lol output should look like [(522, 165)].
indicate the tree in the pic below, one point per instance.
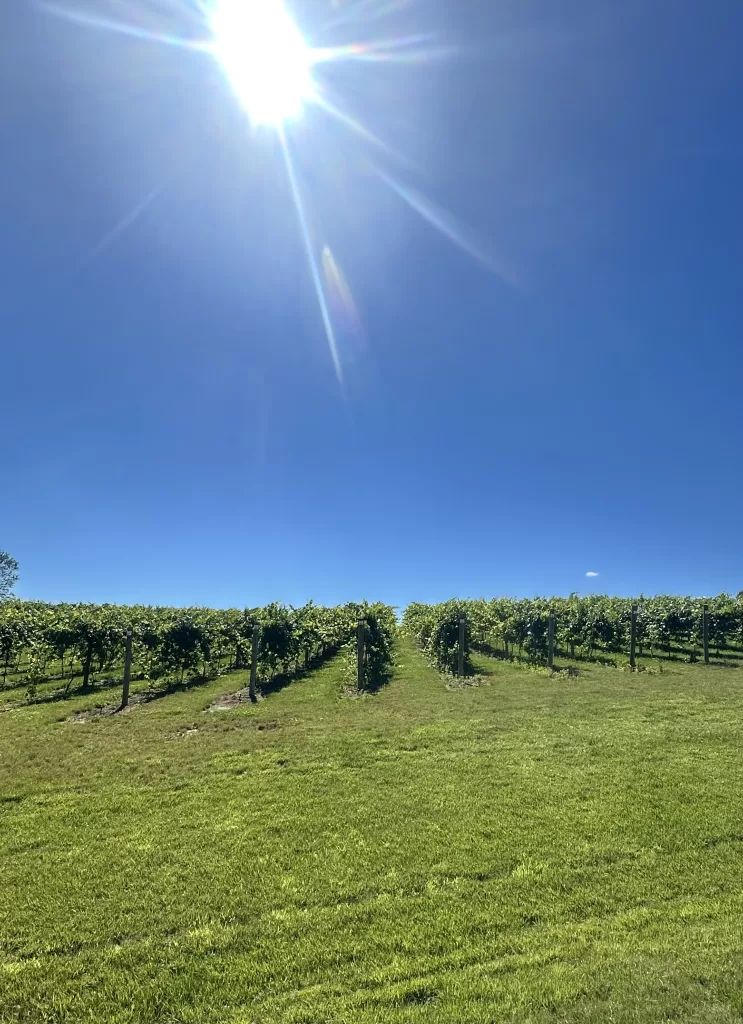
[(8, 574)]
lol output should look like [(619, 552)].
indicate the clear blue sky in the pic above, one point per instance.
[(172, 429)]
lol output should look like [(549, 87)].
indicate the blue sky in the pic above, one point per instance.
[(172, 428)]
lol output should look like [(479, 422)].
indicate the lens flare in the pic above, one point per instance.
[(277, 76), (339, 293), (264, 56)]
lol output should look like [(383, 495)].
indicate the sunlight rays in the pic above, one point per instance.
[(452, 229), (77, 17), (126, 222), (277, 77), (311, 258)]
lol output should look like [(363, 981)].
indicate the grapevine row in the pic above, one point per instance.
[(587, 627), (40, 641), (378, 629)]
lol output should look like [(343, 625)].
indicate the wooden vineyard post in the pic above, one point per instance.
[(254, 661), (460, 663), (551, 640), (633, 638), (360, 634), (705, 632), (127, 669)]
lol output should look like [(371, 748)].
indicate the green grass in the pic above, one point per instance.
[(526, 849)]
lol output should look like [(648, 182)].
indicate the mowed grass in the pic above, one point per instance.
[(524, 849)]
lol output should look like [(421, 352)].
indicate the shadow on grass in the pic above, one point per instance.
[(63, 693), (730, 657), (147, 696), (102, 687), (524, 661), (141, 698), (284, 679), (382, 680), (279, 682)]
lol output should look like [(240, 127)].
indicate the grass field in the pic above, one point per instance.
[(525, 848)]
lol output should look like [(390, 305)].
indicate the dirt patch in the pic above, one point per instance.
[(455, 683), (114, 709), (233, 700)]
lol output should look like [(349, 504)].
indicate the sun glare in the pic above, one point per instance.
[(264, 56), (271, 70)]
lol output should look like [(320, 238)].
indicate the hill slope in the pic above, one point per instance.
[(527, 848)]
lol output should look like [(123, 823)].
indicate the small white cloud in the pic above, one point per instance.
[(591, 574)]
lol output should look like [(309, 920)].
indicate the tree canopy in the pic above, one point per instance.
[(8, 574)]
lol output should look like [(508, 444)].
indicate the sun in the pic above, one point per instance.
[(276, 76), (264, 56)]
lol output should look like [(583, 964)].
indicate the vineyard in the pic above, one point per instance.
[(54, 650), (587, 629), (372, 839)]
